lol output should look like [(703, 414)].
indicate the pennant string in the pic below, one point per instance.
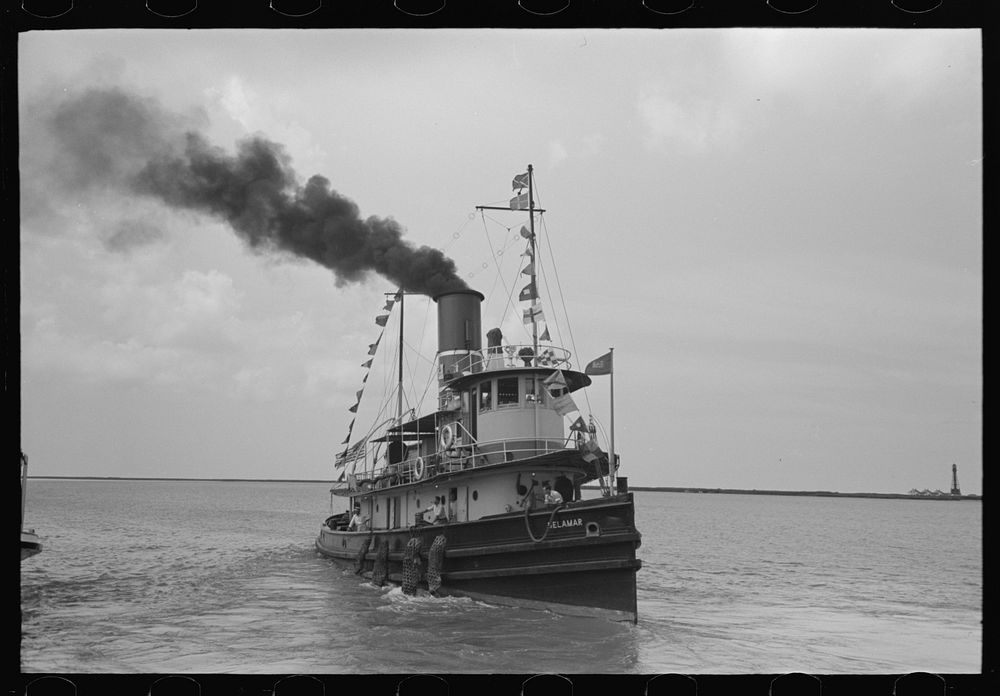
[(380, 320)]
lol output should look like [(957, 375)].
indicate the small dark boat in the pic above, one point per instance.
[(498, 469), (30, 543)]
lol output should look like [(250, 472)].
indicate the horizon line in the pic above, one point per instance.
[(664, 489)]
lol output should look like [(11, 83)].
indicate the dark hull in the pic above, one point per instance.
[(578, 559)]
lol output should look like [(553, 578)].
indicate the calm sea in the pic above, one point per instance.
[(221, 577)]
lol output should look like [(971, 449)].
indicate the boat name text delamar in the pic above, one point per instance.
[(558, 524)]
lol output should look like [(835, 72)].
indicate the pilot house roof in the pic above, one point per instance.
[(574, 380)]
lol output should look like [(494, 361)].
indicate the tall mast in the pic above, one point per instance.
[(399, 387), (534, 284), (531, 220), (611, 455)]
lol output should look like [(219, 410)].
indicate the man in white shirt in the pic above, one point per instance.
[(551, 497), (439, 514), (357, 521)]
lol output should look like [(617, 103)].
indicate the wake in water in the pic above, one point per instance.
[(423, 601)]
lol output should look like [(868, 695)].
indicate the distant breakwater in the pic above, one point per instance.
[(822, 494)]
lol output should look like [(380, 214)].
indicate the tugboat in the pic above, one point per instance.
[(30, 544), (482, 496)]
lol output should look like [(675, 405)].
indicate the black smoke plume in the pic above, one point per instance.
[(109, 137)]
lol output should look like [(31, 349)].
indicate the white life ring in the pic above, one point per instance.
[(418, 468), (447, 437)]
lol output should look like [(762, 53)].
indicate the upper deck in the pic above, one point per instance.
[(461, 368)]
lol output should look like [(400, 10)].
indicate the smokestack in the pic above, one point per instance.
[(112, 138), (459, 330)]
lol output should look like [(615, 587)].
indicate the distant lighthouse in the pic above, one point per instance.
[(955, 490)]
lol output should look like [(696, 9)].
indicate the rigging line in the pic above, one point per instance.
[(489, 294), (493, 219), (406, 396), (507, 229), (542, 270), (500, 251), (418, 354), (511, 302), (511, 241), (415, 350), (377, 446), (499, 202), (540, 273), (415, 403), (431, 373), (423, 330), (410, 370), (383, 408), (427, 388), (562, 297), (364, 385), (497, 263), (388, 385), (455, 236)]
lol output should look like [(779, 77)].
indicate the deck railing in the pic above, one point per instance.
[(512, 356), (460, 457)]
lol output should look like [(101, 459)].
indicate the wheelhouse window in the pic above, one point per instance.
[(486, 396), (507, 394)]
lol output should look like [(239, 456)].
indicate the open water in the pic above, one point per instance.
[(221, 577)]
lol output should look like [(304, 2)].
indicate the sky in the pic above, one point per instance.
[(779, 232)]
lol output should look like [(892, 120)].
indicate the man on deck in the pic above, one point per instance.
[(551, 497)]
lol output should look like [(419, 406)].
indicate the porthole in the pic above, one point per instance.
[(475, 495)]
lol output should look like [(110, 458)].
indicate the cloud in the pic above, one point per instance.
[(593, 144), (196, 333), (557, 153), (693, 123), (239, 102), (925, 65), (130, 234), (587, 146), (254, 114), (821, 68), (131, 329), (192, 310), (50, 348)]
